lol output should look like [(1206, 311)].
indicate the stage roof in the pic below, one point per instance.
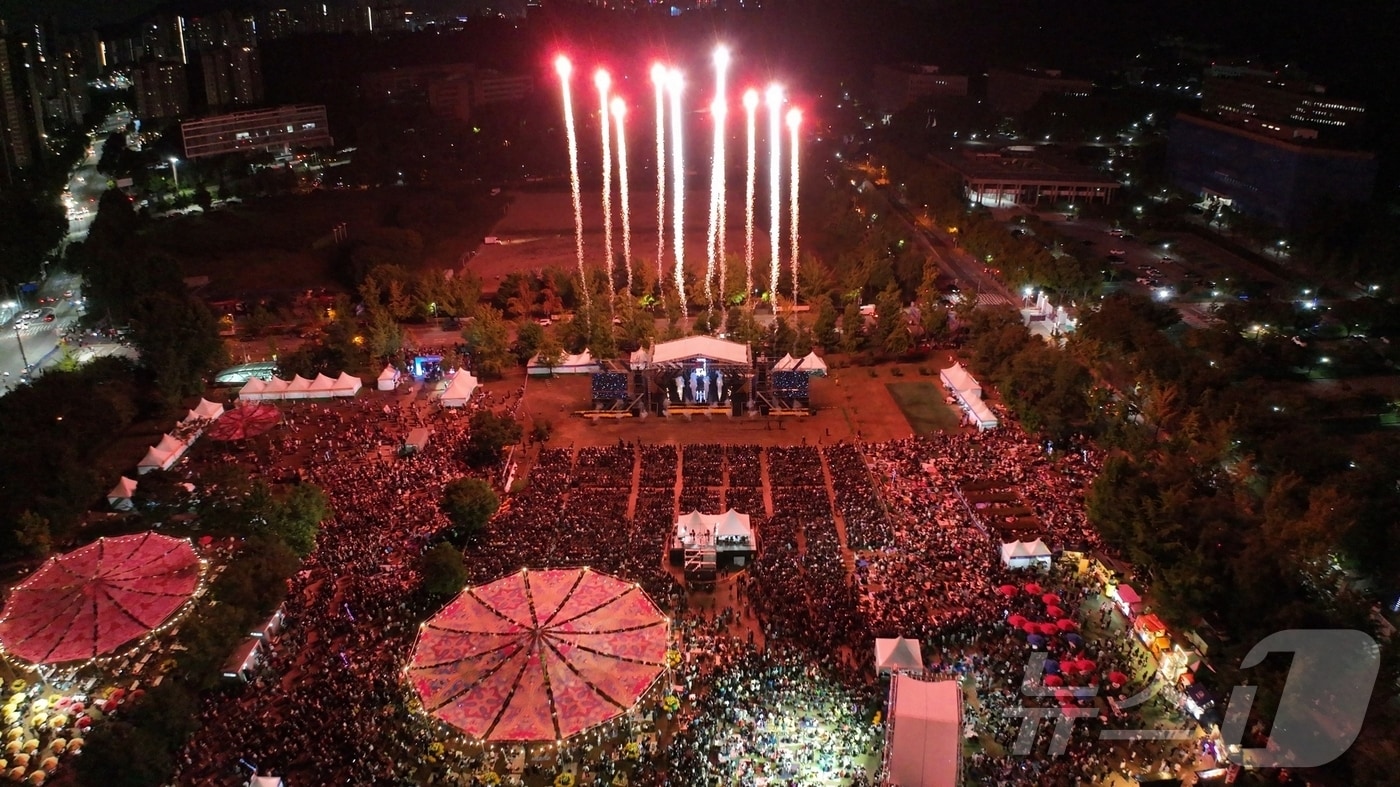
[(692, 347), (924, 732)]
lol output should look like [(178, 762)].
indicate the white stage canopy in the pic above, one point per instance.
[(923, 737), (898, 654), (459, 390), (1025, 554), (692, 347), (583, 363), (388, 379), (697, 529), (811, 363)]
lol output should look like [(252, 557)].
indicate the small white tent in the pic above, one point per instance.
[(785, 364), (266, 781), (346, 385), (204, 411), (120, 496), (957, 379), (388, 379), (897, 654), (322, 386), (298, 388), (154, 460), (459, 391), (812, 364), (1025, 554), (582, 363)]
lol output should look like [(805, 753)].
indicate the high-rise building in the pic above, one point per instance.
[(896, 87), (278, 130), (1014, 92), (15, 138), (1254, 98), (232, 77), (161, 89)]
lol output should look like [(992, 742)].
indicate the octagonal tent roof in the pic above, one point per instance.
[(539, 655), (99, 597)]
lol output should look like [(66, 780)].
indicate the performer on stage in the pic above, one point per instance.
[(680, 389), (719, 387)]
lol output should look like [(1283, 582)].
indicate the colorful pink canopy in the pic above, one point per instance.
[(97, 598), (539, 655)]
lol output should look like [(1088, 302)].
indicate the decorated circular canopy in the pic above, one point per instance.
[(91, 601), (539, 655), (248, 420)]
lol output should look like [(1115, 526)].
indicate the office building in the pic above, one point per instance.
[(1014, 92), (451, 90), (161, 89), (1024, 175), (232, 76), (1255, 99), (15, 133), (899, 86), (278, 130), (1279, 180)]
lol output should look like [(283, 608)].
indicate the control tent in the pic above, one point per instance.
[(388, 379), (459, 390), (1025, 554), (923, 737), (896, 654)]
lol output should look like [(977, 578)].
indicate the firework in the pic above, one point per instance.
[(604, 83), (718, 111), (619, 113), (674, 83), (794, 121), (658, 80), (775, 157), (566, 69), (750, 120)]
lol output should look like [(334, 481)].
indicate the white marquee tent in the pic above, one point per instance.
[(812, 363), (1025, 554), (958, 380), (968, 392), (582, 363), (696, 528), (162, 455), (786, 363), (120, 496), (204, 411), (388, 379), (256, 390), (923, 737), (898, 654), (692, 347), (459, 390)]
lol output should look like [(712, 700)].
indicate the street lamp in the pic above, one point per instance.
[(175, 173), (22, 356)]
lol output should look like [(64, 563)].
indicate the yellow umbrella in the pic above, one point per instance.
[(15, 733), (75, 745), (22, 760), (58, 745), (41, 705), (38, 719), (37, 777), (31, 745), (14, 746), (58, 722), (12, 717), (49, 764), (17, 773)]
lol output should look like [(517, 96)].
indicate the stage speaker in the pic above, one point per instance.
[(737, 407)]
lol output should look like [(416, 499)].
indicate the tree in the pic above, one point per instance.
[(551, 352), (488, 340), (528, 338), (178, 338), (852, 325), (469, 504), (297, 516), (120, 754), (444, 572), (824, 330), (33, 534), (488, 436), (898, 342)]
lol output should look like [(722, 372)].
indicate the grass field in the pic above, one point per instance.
[(924, 408)]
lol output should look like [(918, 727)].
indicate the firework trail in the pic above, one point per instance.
[(750, 115), (604, 82), (658, 79), (619, 113), (674, 84), (718, 110), (775, 191), (794, 121), (565, 69)]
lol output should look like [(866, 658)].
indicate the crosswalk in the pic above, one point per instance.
[(994, 299), (35, 328)]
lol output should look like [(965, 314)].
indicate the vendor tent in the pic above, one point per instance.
[(346, 385), (582, 363), (120, 496), (785, 364), (298, 388), (388, 379), (980, 414), (1025, 554), (898, 654), (322, 386), (204, 411), (957, 378), (923, 738), (812, 363), (459, 390), (266, 781)]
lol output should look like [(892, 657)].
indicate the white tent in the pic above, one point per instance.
[(346, 385), (388, 379), (266, 781), (982, 415), (582, 363), (172, 445), (731, 527), (276, 389), (898, 654), (120, 496), (322, 386), (253, 389), (785, 363), (459, 390), (811, 363), (959, 381), (204, 411), (692, 347), (1025, 554), (154, 460), (923, 737), (298, 388)]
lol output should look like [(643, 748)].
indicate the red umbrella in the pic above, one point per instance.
[(1117, 678), (1032, 588), (249, 420), (1048, 629), (1054, 680), (1016, 621), (1065, 624), (1050, 598), (1085, 665), (1007, 590), (1030, 627), (1055, 612)]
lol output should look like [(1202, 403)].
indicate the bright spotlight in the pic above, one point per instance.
[(750, 99), (619, 108), (794, 118), (774, 96), (658, 74), (563, 66), (601, 79), (674, 81), (721, 56)]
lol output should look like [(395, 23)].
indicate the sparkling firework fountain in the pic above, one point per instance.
[(715, 241), (751, 123), (619, 113), (658, 80), (565, 69), (604, 83), (775, 187), (794, 121), (674, 84)]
